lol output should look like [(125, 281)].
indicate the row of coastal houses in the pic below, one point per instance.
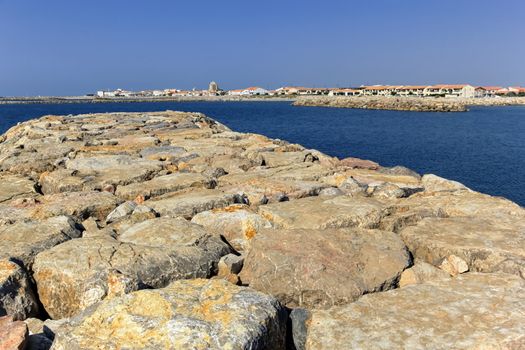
[(458, 90), (213, 90), (444, 90)]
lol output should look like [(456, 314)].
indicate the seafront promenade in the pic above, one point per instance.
[(168, 230)]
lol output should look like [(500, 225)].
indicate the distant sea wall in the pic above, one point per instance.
[(417, 104), (404, 103), (92, 99), (382, 102), (494, 101)]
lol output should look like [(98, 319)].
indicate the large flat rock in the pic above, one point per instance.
[(115, 169), (23, 240), (150, 254), (37, 156), (197, 314), (321, 268), (261, 190), (105, 163), (78, 205), (485, 245), (300, 171), (161, 152), (14, 186), (370, 177), (456, 203), (66, 180), (189, 203), (164, 184), (322, 212), (465, 203), (472, 311)]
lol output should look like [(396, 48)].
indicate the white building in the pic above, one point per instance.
[(380, 90), (235, 92), (455, 90), (105, 93), (286, 90), (116, 93), (158, 93), (411, 90), (254, 91), (344, 92), (488, 91)]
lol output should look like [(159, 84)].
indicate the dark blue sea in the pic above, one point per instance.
[(483, 148)]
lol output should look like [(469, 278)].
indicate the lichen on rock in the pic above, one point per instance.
[(195, 314)]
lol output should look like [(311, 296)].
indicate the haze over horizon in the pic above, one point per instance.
[(71, 48)]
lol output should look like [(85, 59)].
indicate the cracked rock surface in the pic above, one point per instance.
[(321, 268), (195, 314), (472, 311)]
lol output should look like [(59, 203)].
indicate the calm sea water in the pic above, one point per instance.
[(483, 148)]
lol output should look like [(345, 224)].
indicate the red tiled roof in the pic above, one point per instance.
[(345, 90), (447, 86), (413, 87), (377, 87)]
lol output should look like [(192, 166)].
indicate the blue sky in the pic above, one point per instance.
[(60, 47)]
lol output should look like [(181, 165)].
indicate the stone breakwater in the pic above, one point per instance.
[(418, 104), (93, 99), (167, 230), (387, 103), (497, 101)]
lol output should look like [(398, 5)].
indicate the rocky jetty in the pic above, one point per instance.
[(392, 103), (167, 230), (495, 101), (405, 103)]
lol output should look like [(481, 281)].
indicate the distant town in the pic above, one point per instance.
[(442, 90)]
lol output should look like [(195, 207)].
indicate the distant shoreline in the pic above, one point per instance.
[(90, 99), (405, 103)]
